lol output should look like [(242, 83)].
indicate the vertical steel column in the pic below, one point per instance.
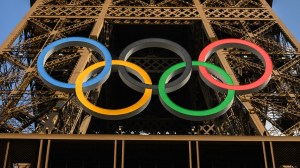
[(272, 154), (6, 154), (115, 153), (47, 153), (190, 154), (123, 153), (40, 154), (265, 154), (197, 154)]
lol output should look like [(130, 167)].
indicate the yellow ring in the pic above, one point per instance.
[(113, 114)]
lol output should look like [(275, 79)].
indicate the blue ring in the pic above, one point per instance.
[(74, 41)]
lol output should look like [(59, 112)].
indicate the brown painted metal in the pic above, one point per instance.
[(123, 154), (197, 154), (265, 155), (40, 154), (6, 153), (250, 20), (272, 155), (150, 137), (85, 139), (47, 154), (190, 154), (115, 153)]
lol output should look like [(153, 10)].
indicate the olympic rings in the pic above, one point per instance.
[(242, 44), (114, 113), (196, 115), (159, 43), (206, 70), (67, 42)]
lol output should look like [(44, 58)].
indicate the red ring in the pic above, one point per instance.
[(237, 43)]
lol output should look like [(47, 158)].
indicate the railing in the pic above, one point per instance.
[(130, 151)]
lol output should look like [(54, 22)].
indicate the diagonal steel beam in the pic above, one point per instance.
[(256, 123)]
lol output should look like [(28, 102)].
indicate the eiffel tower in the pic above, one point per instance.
[(28, 106)]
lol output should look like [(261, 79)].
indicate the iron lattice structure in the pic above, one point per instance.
[(27, 105)]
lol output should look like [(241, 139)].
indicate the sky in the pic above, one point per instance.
[(12, 11)]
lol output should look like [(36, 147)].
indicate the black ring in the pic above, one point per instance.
[(159, 43)]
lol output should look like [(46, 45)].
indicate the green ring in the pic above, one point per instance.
[(196, 115)]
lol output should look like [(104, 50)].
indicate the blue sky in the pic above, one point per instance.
[(12, 11)]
